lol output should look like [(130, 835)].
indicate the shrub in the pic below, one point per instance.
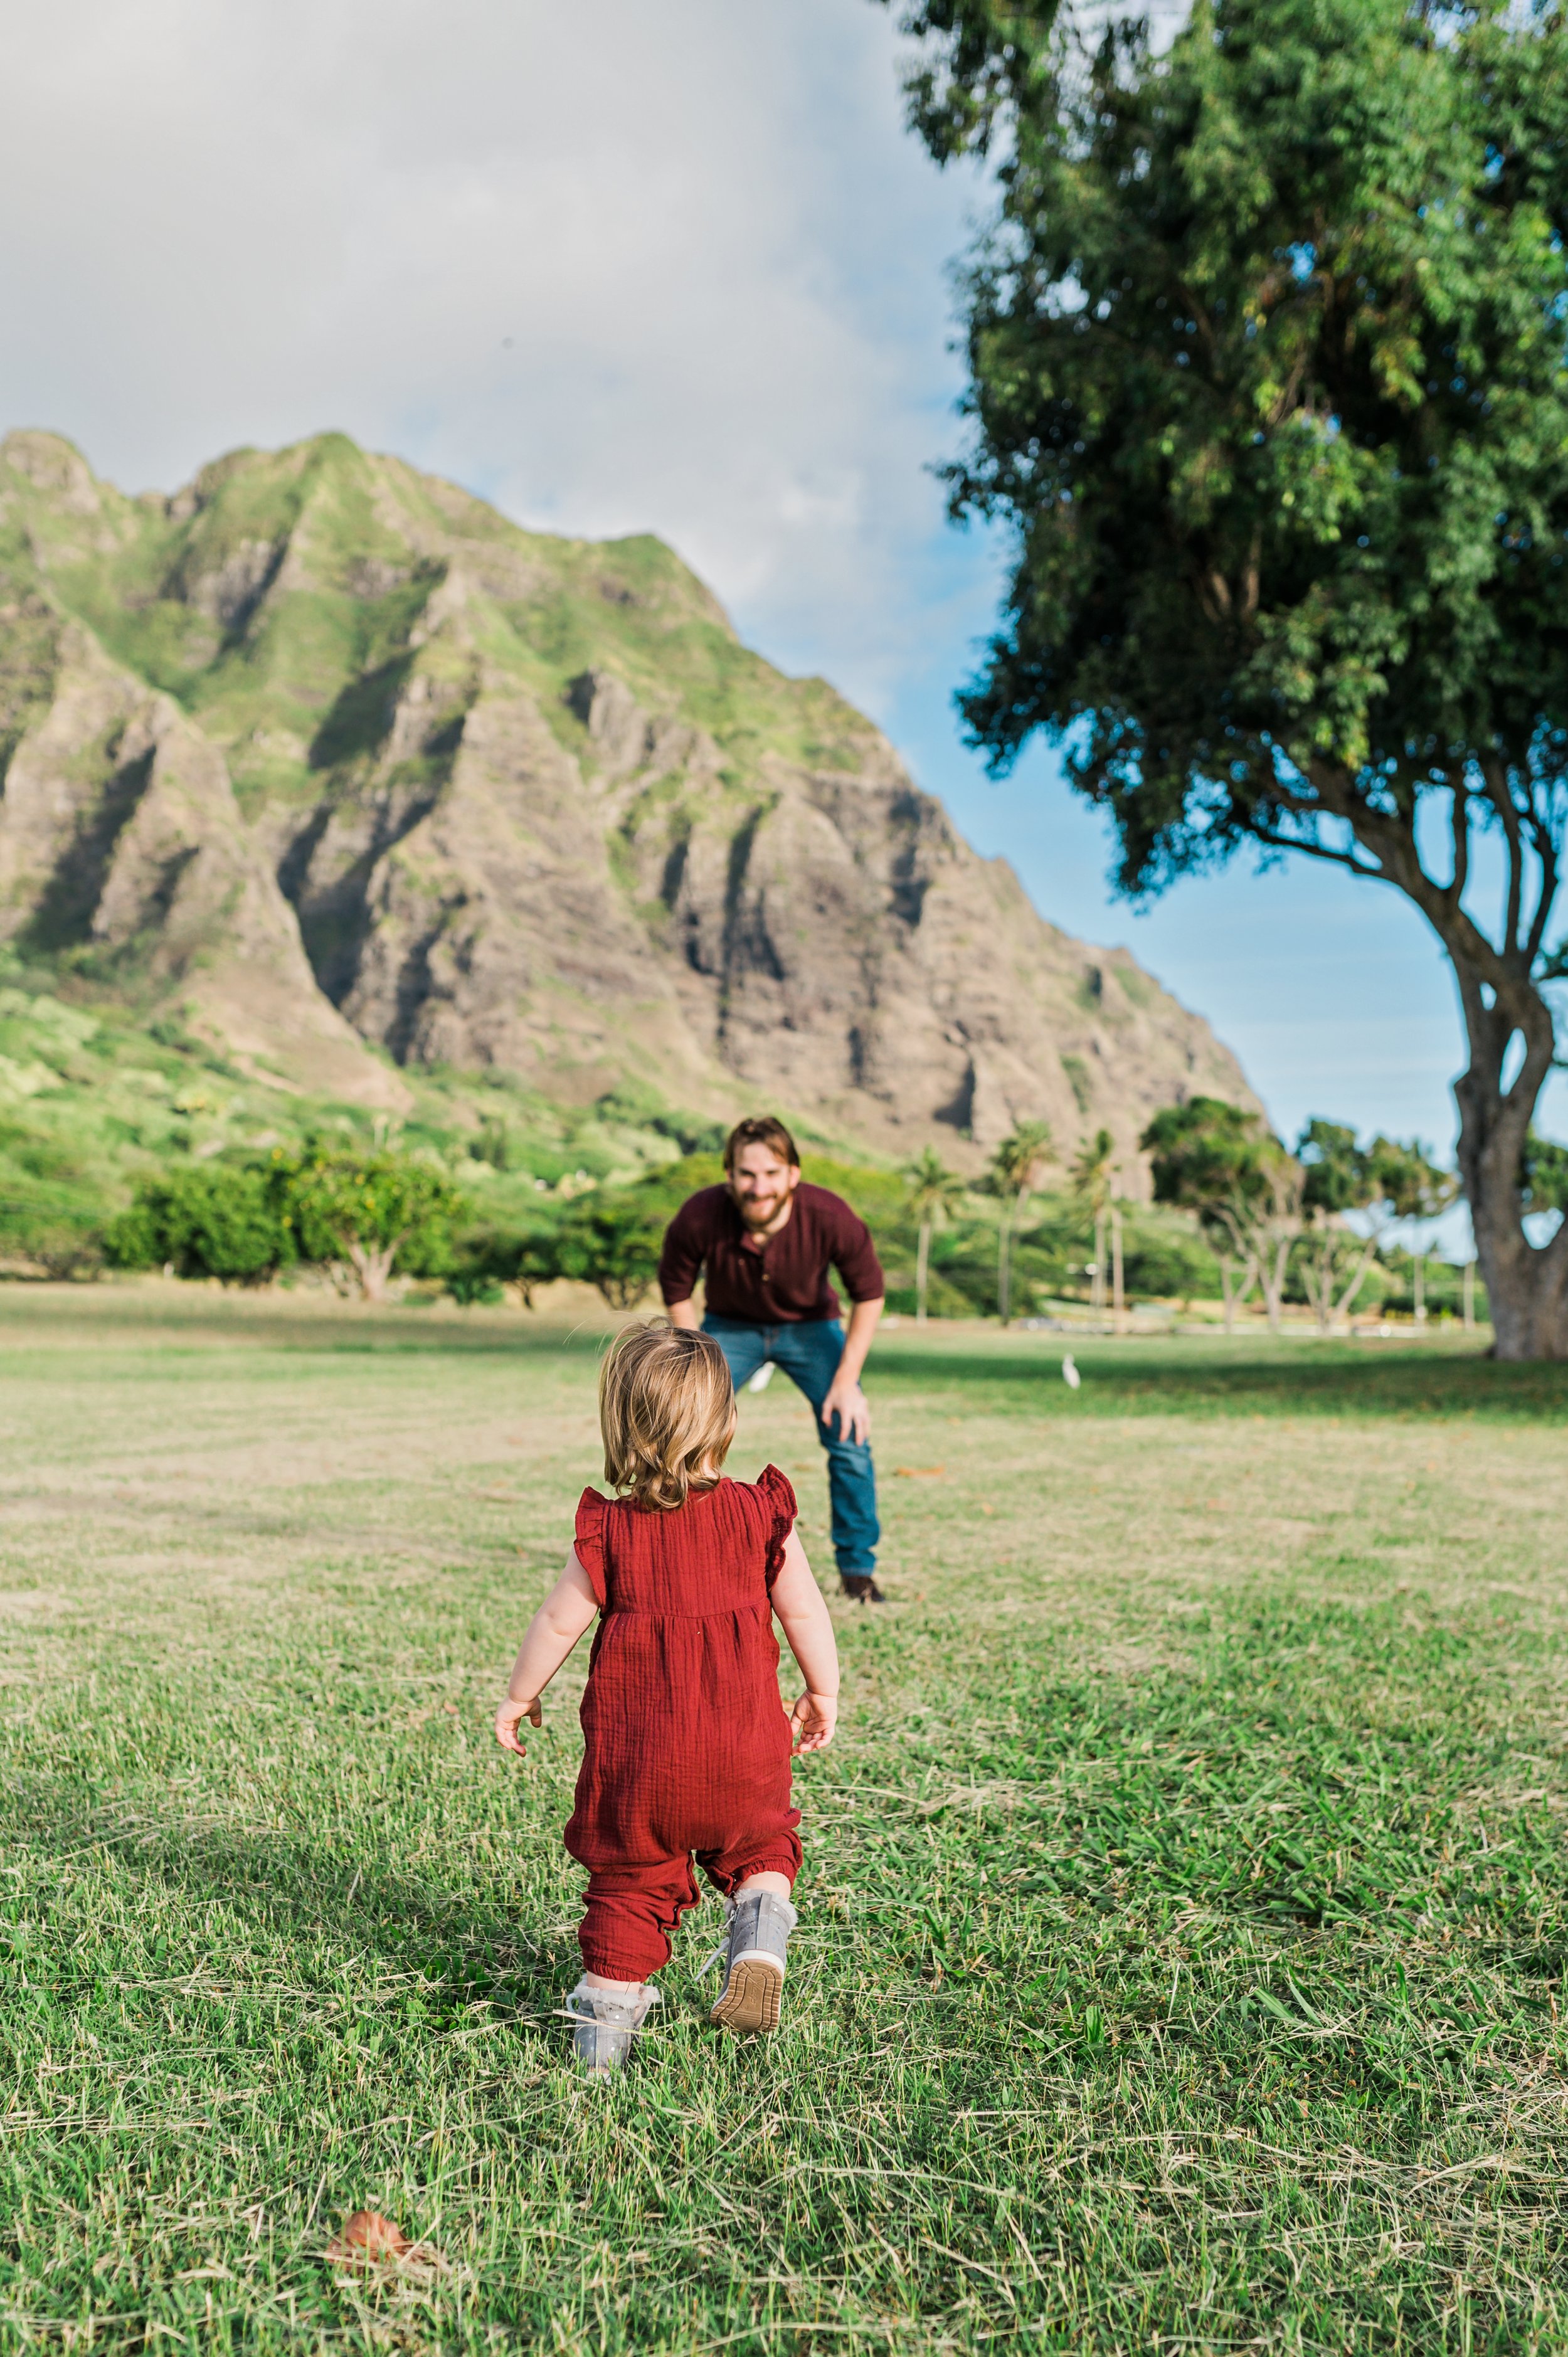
[(230, 1221), (485, 1260), (373, 1212), (613, 1241)]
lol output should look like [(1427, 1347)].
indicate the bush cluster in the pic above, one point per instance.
[(243, 1221)]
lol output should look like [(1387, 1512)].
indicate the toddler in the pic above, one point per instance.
[(686, 1743)]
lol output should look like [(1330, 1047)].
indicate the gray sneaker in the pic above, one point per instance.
[(606, 2026), (756, 1938)]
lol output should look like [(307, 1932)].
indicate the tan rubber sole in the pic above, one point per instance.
[(753, 1997)]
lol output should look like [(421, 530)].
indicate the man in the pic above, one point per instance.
[(765, 1243)]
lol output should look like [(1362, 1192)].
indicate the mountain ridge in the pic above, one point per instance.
[(357, 775)]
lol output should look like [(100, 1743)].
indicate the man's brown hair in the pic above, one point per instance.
[(763, 1129), (667, 1412)]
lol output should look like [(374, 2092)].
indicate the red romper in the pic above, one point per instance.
[(686, 1743)]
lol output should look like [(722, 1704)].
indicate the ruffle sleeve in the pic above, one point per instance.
[(589, 1539), (779, 1497)]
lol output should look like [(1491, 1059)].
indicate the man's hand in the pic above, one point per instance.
[(852, 1409), (812, 1721), (510, 1716)]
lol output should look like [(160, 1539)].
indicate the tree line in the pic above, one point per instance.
[(1252, 1217), (1316, 1219)]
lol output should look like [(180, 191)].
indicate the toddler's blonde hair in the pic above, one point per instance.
[(667, 1412)]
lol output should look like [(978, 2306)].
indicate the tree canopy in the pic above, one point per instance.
[(230, 1221), (1267, 377), (368, 1211)]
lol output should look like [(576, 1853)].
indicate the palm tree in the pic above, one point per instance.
[(934, 1192), (1094, 1184), (1016, 1168)]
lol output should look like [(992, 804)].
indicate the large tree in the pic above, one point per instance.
[(1267, 376)]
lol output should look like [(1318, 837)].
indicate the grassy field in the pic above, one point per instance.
[(1184, 1912)]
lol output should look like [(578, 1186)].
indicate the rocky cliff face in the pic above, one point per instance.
[(327, 753)]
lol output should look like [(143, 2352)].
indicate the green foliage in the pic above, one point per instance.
[(935, 1193), (375, 1211), (1267, 377), (612, 1241), (1094, 1172), (643, 1108), (485, 1260), (230, 1221), (1408, 1181), (1169, 1266), (1332, 1260), (1016, 1169), (1210, 1158), (1017, 1163), (1225, 1165), (1340, 1174), (1543, 1178), (1297, 291)]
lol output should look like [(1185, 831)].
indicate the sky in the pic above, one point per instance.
[(624, 266)]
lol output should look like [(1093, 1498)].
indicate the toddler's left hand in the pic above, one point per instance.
[(508, 1720)]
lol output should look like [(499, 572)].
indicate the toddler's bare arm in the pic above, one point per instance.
[(566, 1613), (809, 1631)]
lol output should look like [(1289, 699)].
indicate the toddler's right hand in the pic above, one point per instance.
[(508, 1720), (812, 1721)]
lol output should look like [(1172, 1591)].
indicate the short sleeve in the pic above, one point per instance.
[(589, 1539), (780, 1499)]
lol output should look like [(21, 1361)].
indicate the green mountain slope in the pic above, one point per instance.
[(364, 789)]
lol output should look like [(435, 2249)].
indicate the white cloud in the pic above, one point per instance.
[(620, 264)]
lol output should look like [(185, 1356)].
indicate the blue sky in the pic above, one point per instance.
[(623, 267)]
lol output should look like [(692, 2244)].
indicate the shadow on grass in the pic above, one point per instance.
[(1216, 1379), (464, 1949)]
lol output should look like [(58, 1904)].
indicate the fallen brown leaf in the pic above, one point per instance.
[(920, 1472), (368, 2235), (369, 2240)]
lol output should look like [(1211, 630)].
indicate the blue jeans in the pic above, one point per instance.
[(810, 1354)]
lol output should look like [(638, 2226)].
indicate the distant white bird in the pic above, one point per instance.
[(1071, 1375), (762, 1378)]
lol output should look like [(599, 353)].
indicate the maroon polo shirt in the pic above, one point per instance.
[(779, 1280)]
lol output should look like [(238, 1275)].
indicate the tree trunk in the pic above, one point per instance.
[(1097, 1282), (372, 1266), (922, 1269), (1118, 1311), (1527, 1285), (1470, 1294), (1273, 1280), (1227, 1294), (1320, 1275), (1004, 1269), (1347, 1300)]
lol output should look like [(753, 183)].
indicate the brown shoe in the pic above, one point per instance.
[(862, 1587)]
